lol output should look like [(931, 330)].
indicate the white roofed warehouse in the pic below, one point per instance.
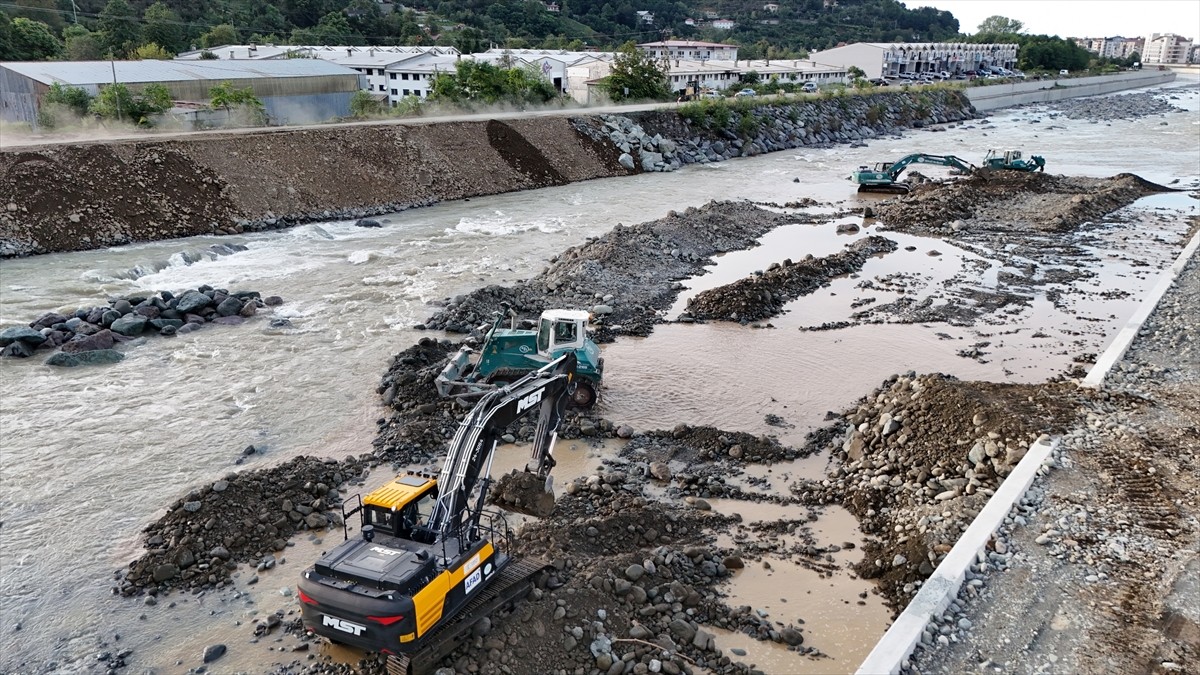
[(293, 91)]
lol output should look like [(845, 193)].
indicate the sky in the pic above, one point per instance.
[(1079, 18)]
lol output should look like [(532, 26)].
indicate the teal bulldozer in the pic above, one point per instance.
[(1012, 160), (508, 354)]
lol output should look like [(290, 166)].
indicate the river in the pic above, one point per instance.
[(89, 456)]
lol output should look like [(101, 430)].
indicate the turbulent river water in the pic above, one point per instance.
[(89, 456)]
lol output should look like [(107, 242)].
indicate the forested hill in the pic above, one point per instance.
[(36, 29)]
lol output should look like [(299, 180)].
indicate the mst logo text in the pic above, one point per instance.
[(343, 625)]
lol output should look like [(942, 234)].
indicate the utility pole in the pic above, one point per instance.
[(116, 94)]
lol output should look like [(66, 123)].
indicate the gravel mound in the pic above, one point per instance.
[(1010, 201), (761, 296), (626, 277), (1118, 107), (920, 458), (242, 518)]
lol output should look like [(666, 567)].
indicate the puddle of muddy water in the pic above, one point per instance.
[(835, 616)]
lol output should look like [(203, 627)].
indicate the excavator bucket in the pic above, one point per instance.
[(524, 492)]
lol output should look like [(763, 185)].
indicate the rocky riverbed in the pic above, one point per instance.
[(1114, 107), (640, 559)]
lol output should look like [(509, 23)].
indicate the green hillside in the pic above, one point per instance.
[(46, 29)]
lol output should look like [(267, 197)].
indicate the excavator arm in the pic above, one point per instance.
[(469, 456), (938, 160)]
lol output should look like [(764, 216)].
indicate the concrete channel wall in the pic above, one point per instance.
[(1003, 95), (897, 644)]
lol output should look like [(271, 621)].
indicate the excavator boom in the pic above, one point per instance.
[(886, 178)]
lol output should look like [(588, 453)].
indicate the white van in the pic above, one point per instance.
[(1064, 72)]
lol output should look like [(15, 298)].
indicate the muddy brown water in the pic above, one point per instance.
[(89, 457)]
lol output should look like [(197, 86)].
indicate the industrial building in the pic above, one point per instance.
[(293, 91), (888, 59)]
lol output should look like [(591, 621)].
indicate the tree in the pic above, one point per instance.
[(7, 51), (332, 29), (636, 75), (119, 24), (363, 104), (219, 36), (484, 82), (71, 98), (83, 44), (117, 102), (150, 52), (241, 100), (1001, 24), (33, 41), (856, 73), (163, 27)]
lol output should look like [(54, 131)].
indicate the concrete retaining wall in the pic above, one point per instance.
[(1004, 95)]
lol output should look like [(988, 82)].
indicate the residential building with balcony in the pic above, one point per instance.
[(1166, 48)]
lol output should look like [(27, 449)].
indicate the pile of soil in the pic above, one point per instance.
[(761, 296), (921, 456), (625, 278), (999, 202), (242, 518)]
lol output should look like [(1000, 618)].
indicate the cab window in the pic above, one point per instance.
[(543, 337), (382, 519), (564, 331)]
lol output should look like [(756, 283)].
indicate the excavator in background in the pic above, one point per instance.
[(1012, 160), (431, 561), (885, 176)]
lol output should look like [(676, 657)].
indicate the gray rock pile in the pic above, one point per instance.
[(920, 457), (1116, 107), (243, 518), (89, 334), (626, 277), (764, 294)]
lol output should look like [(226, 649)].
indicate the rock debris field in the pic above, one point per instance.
[(640, 561)]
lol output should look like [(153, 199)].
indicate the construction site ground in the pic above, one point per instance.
[(1102, 573)]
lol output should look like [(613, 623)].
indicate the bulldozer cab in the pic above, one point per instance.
[(561, 330), (1011, 156)]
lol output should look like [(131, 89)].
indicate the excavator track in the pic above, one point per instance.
[(513, 582), (893, 189)]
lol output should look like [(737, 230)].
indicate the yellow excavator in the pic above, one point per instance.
[(431, 561)]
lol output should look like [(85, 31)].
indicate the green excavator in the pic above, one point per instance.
[(885, 176), (1013, 161)]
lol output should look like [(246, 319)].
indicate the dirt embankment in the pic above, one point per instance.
[(78, 197)]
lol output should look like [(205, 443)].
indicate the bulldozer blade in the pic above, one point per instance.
[(524, 492)]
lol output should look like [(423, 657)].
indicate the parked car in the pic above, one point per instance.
[(945, 75), (808, 87), (747, 92), (711, 94), (906, 76), (1017, 74), (879, 81), (1064, 72)]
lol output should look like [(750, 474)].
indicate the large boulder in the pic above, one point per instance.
[(130, 325), (88, 343), (229, 306), (21, 334), (49, 319), (100, 356), (191, 301)]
